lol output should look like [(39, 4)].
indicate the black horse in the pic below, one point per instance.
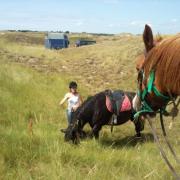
[(95, 112)]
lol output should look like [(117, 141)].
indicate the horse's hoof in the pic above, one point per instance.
[(138, 135)]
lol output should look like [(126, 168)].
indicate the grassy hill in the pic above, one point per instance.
[(109, 63), (34, 79)]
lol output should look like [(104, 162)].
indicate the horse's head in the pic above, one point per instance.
[(149, 44), (74, 133)]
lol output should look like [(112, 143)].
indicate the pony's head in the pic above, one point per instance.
[(74, 133)]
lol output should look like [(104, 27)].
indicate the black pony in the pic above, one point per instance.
[(95, 112)]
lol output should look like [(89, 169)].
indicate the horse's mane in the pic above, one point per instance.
[(164, 58)]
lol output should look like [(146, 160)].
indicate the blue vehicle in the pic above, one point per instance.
[(84, 42), (56, 41)]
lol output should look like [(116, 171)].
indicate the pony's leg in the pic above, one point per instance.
[(81, 125), (94, 124), (98, 120), (139, 126), (96, 130)]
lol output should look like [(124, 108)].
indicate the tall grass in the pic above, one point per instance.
[(32, 146), (109, 64)]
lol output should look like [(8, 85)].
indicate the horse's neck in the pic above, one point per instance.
[(155, 102), (166, 89)]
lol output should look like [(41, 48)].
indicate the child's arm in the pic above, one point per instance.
[(63, 100)]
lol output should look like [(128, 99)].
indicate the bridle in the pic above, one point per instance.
[(149, 87)]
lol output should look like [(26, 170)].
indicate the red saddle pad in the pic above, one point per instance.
[(126, 104)]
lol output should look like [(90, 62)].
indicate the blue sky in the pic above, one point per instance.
[(97, 16)]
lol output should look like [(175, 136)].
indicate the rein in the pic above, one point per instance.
[(161, 149)]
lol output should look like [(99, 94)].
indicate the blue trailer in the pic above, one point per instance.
[(56, 41)]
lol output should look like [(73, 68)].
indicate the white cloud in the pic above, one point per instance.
[(79, 24), (111, 1), (110, 25), (135, 23), (139, 23), (174, 20), (115, 25)]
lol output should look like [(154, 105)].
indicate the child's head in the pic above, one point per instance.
[(73, 87)]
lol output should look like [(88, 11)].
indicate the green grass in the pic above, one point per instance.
[(32, 89)]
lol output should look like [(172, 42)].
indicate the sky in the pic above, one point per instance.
[(95, 16)]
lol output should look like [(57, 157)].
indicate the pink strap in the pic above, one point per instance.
[(126, 105), (108, 104)]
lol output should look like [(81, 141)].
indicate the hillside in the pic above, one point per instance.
[(109, 63), (34, 79)]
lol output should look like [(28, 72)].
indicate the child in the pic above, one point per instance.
[(74, 101)]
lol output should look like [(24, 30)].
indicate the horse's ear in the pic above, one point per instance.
[(148, 38)]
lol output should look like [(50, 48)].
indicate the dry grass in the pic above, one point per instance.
[(33, 79), (108, 64)]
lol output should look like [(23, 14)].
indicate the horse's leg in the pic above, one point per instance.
[(100, 117), (100, 121), (81, 125), (174, 111), (139, 126), (96, 130), (95, 124)]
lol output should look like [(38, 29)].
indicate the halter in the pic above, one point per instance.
[(146, 108), (151, 88)]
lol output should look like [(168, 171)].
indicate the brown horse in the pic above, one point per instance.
[(158, 83), (162, 57)]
